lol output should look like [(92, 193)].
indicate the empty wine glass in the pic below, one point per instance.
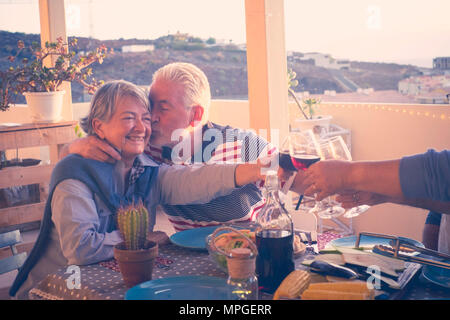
[(329, 208), (336, 148), (345, 155)]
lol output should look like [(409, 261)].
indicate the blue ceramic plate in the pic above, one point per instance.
[(436, 275), (196, 238), (367, 242), (180, 288), (193, 238)]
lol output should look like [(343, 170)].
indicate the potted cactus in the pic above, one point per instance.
[(135, 255)]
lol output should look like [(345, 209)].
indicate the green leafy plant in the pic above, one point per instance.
[(133, 222), (32, 75), (311, 103), (78, 131)]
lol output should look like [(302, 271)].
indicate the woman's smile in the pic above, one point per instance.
[(129, 128), (136, 139)]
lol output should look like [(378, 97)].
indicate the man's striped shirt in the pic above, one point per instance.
[(231, 146)]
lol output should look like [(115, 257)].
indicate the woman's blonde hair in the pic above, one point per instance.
[(194, 81), (103, 104)]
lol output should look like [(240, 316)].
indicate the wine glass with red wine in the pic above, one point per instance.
[(304, 149), (299, 150)]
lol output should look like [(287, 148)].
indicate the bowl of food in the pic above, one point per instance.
[(227, 240)]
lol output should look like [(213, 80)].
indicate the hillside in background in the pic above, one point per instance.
[(224, 65)]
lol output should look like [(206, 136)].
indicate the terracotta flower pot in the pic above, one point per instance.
[(136, 266)]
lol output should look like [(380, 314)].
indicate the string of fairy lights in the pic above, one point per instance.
[(396, 109)]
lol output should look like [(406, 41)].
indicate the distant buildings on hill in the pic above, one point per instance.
[(441, 63), (319, 60), (433, 88), (427, 89), (138, 48)]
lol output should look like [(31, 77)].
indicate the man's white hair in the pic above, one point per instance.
[(194, 81)]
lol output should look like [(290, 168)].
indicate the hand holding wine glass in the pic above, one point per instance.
[(344, 154), (298, 151), (328, 208), (325, 178), (332, 174)]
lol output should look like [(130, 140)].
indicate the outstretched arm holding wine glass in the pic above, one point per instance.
[(421, 180), (329, 177)]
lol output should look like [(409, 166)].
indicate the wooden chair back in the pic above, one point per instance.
[(16, 260)]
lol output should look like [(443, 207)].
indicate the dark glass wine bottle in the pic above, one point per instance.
[(274, 239)]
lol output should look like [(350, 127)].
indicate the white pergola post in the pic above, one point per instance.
[(267, 68), (53, 25)]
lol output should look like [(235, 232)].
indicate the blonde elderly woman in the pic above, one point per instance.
[(78, 225)]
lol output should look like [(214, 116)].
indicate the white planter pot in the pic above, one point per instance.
[(317, 124), (45, 106)]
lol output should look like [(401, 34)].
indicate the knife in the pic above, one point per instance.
[(333, 269)]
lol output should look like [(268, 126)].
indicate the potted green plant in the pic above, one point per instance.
[(307, 109), (135, 255), (40, 84)]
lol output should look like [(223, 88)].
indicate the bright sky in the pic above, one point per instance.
[(401, 31)]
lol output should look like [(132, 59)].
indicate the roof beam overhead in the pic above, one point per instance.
[(267, 68), (53, 25)]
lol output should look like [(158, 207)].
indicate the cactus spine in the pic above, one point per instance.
[(133, 225)]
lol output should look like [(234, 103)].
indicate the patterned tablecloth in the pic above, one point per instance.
[(103, 281)]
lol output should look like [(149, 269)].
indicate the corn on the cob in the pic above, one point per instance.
[(334, 295), (347, 286), (293, 285), (343, 290)]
